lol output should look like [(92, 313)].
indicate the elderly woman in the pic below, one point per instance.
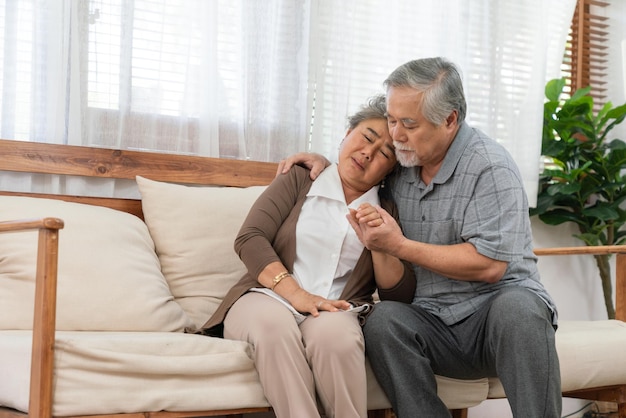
[(310, 278)]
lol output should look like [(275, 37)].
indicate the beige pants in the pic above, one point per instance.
[(324, 355)]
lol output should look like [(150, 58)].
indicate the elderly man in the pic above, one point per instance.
[(479, 309)]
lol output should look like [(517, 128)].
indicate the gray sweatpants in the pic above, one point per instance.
[(511, 337)]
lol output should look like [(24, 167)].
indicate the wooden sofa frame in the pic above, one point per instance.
[(30, 157)]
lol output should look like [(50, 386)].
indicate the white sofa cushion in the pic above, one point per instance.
[(109, 276), (194, 229), (127, 372), (591, 355)]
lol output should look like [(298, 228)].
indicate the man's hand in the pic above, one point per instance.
[(457, 261), (376, 229), (314, 162)]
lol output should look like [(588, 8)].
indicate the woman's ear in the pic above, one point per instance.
[(344, 138)]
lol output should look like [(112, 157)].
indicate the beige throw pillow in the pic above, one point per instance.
[(194, 229), (109, 277)]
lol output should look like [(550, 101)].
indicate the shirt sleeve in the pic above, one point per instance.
[(496, 221)]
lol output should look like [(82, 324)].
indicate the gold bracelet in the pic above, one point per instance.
[(278, 278)]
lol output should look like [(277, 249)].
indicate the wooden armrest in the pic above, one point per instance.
[(29, 224), (44, 322), (592, 250), (620, 268)]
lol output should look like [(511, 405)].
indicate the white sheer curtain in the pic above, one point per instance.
[(506, 50), (218, 78), (260, 80)]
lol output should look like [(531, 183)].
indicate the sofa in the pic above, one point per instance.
[(100, 297)]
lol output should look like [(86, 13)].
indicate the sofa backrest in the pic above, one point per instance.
[(43, 158), (116, 272)]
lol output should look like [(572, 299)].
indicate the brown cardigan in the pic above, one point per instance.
[(268, 235)]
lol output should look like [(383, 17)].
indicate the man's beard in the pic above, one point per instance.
[(409, 159)]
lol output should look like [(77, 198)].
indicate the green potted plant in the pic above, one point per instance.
[(583, 180)]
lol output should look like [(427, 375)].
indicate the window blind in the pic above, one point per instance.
[(585, 60)]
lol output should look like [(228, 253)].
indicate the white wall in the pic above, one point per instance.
[(573, 281)]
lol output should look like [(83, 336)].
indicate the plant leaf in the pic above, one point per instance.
[(554, 88), (559, 216), (602, 211), (589, 239), (582, 92), (563, 188)]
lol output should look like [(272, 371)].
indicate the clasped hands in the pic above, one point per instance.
[(375, 227)]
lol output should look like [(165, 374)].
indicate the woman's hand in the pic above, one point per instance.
[(366, 214), (377, 230), (306, 302)]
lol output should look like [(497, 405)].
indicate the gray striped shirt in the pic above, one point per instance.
[(477, 197)]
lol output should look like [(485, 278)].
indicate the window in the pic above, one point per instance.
[(585, 61), (261, 80), (146, 65)]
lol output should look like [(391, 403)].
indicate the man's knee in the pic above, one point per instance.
[(518, 314), (519, 305), (380, 322)]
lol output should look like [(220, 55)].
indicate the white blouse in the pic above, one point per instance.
[(327, 248)]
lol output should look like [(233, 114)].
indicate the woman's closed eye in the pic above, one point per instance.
[(382, 150)]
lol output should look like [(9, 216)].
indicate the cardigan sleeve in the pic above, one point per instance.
[(254, 243), (404, 290)]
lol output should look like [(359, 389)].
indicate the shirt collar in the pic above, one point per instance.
[(451, 160), (328, 185)]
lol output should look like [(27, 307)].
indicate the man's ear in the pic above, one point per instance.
[(451, 120)]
